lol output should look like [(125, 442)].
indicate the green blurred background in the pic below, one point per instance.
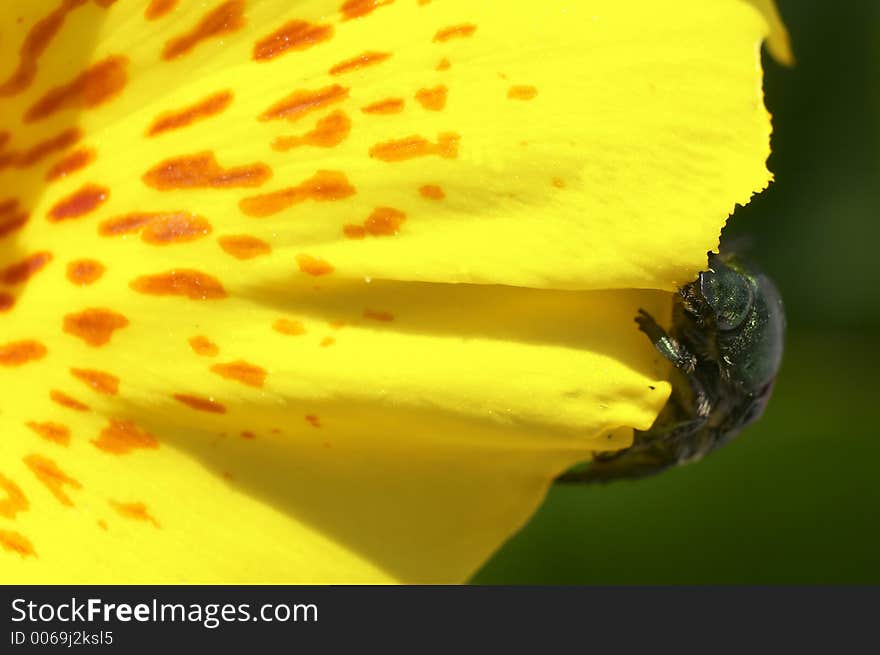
[(796, 499)]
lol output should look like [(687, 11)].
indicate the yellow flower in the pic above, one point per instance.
[(231, 349)]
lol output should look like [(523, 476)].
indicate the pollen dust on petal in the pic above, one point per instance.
[(323, 186), (158, 8), (303, 102), (53, 477), (81, 202), (241, 371), (313, 266), (17, 353), (95, 326), (83, 272), (243, 246), (188, 283), (225, 19), (328, 133), (16, 542), (357, 8), (54, 432), (91, 88), (13, 499), (22, 271), (289, 327), (363, 60), (384, 107), (70, 164), (433, 99), (61, 398), (200, 403), (174, 120), (202, 345), (120, 437), (295, 35), (201, 171), (136, 511), (35, 43), (454, 32), (416, 146), (99, 381)]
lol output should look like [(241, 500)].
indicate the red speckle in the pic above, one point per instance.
[(454, 32), (225, 19), (83, 272), (241, 371), (204, 346), (158, 8), (361, 61), (54, 432), (80, 203), (432, 99), (73, 162), (323, 186), (202, 171), (242, 246), (91, 88), (174, 120), (302, 102), (293, 35), (66, 401), (416, 146), (22, 271), (387, 106), (329, 132), (357, 8), (120, 437), (313, 266), (21, 352), (200, 404), (53, 477), (99, 381), (191, 284), (94, 326)]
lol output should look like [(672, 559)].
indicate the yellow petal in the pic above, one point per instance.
[(228, 350)]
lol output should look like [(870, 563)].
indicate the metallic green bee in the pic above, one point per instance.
[(726, 344)]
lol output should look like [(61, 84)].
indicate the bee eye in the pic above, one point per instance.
[(729, 294)]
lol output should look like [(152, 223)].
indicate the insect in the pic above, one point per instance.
[(726, 344)]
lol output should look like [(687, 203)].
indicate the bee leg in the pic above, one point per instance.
[(671, 349)]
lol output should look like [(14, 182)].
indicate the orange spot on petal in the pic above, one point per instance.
[(522, 92), (91, 88), (179, 227), (313, 266), (241, 371), (294, 35), (99, 381), (225, 19), (94, 326), (122, 436), (21, 352), (302, 102), (16, 543), (201, 171), (66, 401), (243, 246), (454, 32), (191, 284), (53, 477), (204, 346), (22, 271), (329, 132), (83, 272), (323, 186), (206, 108), (13, 500), (378, 315), (416, 146), (432, 192), (158, 8), (313, 420), (54, 432), (289, 327), (85, 200), (136, 511), (433, 99), (387, 106), (200, 404), (357, 8), (73, 162), (361, 61)]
